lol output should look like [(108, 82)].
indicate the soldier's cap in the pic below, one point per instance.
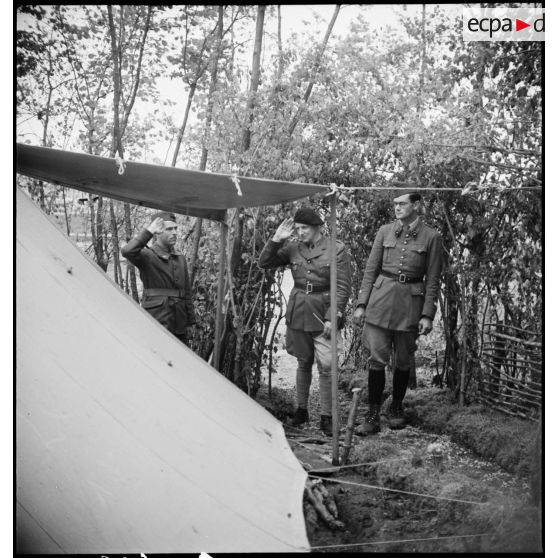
[(307, 216), (165, 215)]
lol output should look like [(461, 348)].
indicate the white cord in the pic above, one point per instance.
[(236, 182), (120, 164)]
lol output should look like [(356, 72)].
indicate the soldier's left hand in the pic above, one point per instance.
[(424, 326), (327, 329)]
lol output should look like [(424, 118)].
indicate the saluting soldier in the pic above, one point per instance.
[(309, 311), (397, 302), (167, 294)]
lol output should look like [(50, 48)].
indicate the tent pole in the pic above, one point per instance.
[(333, 283), (220, 291)]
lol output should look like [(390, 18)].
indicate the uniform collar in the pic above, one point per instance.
[(414, 227), (317, 248), (163, 253)]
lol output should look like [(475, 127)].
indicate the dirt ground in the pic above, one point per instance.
[(405, 490)]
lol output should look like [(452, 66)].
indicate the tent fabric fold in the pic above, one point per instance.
[(188, 192), (127, 441)]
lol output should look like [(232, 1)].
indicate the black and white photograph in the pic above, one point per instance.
[(278, 279)]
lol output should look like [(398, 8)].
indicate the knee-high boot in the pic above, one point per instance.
[(376, 385), (400, 382)]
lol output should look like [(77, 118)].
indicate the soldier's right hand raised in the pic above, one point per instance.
[(156, 226), (284, 230)]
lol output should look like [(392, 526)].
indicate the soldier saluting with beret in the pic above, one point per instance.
[(397, 302), (167, 294), (309, 313)]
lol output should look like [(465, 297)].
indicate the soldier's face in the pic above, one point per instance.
[(169, 235), (405, 210), (307, 233)]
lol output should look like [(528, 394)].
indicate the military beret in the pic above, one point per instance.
[(307, 216), (165, 215)]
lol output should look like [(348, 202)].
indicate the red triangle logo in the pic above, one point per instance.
[(519, 25)]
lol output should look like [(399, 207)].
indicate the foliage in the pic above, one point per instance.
[(415, 107)]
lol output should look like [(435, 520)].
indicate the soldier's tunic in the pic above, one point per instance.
[(310, 267), (309, 306), (398, 254), (167, 293)]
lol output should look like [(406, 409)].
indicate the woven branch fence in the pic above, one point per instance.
[(511, 370)]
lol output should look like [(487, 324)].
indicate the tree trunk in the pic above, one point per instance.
[(180, 137), (198, 229), (212, 88), (256, 62), (117, 133), (66, 218), (99, 236), (200, 70), (317, 64), (207, 131), (280, 62), (131, 269), (115, 246)]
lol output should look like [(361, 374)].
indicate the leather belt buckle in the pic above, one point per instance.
[(309, 288), (402, 278)]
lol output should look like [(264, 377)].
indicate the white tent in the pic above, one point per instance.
[(126, 440)]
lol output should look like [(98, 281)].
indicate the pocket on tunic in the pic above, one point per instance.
[(418, 255), (389, 249), (379, 281), (417, 289), (290, 309), (417, 303), (297, 268), (153, 302), (325, 270)]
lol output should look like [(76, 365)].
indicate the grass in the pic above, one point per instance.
[(471, 502), (508, 441)]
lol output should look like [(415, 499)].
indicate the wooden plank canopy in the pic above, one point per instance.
[(188, 192)]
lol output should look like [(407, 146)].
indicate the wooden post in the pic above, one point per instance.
[(350, 426), (220, 291), (463, 370), (333, 283)]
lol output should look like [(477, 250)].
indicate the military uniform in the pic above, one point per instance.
[(167, 293), (400, 286), (402, 276), (309, 306)]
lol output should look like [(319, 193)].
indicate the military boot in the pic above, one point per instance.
[(371, 422), (326, 425), (396, 416), (300, 417)]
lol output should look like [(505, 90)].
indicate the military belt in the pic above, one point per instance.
[(310, 288), (178, 293), (401, 277)]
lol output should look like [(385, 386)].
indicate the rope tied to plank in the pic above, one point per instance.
[(120, 163), (333, 189), (236, 182)]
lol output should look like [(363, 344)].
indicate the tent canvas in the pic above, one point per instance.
[(126, 440), (189, 192)]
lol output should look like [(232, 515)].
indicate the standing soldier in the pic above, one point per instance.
[(397, 300), (163, 270), (308, 311)]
